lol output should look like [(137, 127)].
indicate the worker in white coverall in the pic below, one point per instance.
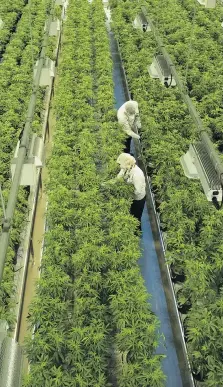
[(132, 174), (128, 118)]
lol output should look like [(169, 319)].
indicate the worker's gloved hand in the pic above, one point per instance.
[(137, 136)]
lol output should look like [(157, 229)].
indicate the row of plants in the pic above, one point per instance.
[(192, 226), (16, 78), (10, 14), (16, 72), (193, 37), (95, 326)]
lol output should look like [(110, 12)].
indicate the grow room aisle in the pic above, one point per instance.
[(149, 260)]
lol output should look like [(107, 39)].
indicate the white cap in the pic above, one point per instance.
[(126, 161), (130, 107)]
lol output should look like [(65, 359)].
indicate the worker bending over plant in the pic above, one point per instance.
[(132, 174), (128, 118)]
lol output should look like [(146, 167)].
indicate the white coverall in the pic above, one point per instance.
[(136, 177), (132, 174), (128, 118)]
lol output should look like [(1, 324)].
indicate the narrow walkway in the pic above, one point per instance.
[(149, 261), (151, 273)]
